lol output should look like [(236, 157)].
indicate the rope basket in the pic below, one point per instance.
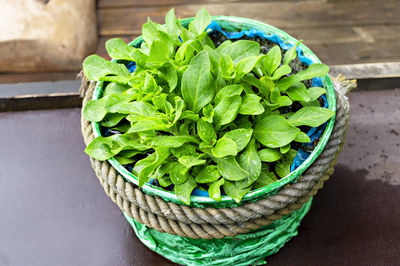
[(218, 223)]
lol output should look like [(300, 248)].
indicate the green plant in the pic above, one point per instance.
[(195, 115)]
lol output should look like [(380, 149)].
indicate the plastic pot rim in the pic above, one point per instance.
[(253, 195)]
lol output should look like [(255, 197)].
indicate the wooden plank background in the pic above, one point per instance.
[(340, 32)]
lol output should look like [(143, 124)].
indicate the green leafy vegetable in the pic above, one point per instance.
[(251, 105), (230, 169), (240, 136), (215, 189), (197, 83), (98, 68), (223, 118), (269, 155), (250, 161), (208, 174), (274, 131), (233, 190), (224, 147), (184, 190), (310, 116)]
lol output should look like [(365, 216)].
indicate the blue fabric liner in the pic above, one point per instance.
[(313, 133)]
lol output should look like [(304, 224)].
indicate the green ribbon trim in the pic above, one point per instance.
[(244, 249)]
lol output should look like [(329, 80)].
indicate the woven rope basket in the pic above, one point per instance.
[(209, 223)]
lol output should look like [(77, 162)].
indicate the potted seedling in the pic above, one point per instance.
[(199, 120)]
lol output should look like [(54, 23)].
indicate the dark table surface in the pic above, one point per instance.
[(53, 211)]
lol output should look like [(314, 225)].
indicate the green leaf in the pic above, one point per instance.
[(111, 120), (214, 59), (183, 191), (187, 35), (158, 53), (281, 71), (228, 91), (197, 84), (115, 99), (315, 93), (164, 180), (143, 109), (206, 132), (160, 102), (251, 105), (310, 116), (96, 68), (269, 155), (146, 166), (185, 149), (161, 174), (241, 49), (302, 137), (184, 53), (280, 101), (169, 74), (227, 110), (274, 131), (272, 60), (208, 42), (226, 67), (124, 160), (246, 65), (240, 136), (139, 57), (267, 86), (103, 148), (122, 128), (265, 178), (150, 31), (229, 168), (200, 22), (129, 153), (173, 141), (95, 110), (214, 190), (115, 88), (275, 94), (118, 49), (250, 162), (223, 45), (282, 167), (179, 105), (252, 80), (286, 148), (208, 174), (314, 70), (172, 24), (290, 54), (224, 147), (149, 123), (314, 103), (208, 113), (178, 173), (150, 85), (298, 92), (189, 115), (234, 191), (189, 161)]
